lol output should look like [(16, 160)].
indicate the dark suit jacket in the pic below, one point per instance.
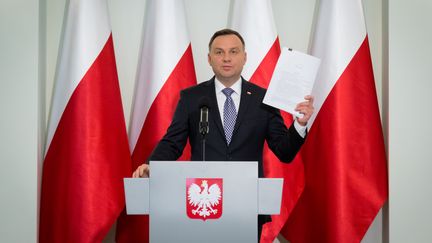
[(256, 123)]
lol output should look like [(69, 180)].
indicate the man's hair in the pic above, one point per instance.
[(226, 32)]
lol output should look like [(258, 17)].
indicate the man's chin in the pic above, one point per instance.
[(228, 75)]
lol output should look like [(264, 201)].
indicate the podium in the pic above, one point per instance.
[(213, 201)]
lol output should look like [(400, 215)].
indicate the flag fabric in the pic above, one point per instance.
[(344, 153), (263, 50), (87, 154), (166, 67)]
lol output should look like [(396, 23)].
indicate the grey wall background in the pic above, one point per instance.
[(399, 33), (410, 119), (21, 116)]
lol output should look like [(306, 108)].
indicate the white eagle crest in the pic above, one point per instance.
[(204, 200)]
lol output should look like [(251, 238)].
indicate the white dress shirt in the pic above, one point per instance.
[(220, 96)]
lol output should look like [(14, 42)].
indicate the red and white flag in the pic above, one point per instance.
[(166, 67), (344, 153), (87, 154), (253, 19)]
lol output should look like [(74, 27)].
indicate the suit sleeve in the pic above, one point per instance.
[(285, 143), (172, 144)]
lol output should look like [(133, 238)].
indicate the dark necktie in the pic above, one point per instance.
[(230, 114)]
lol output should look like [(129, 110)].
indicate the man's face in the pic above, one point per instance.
[(227, 58)]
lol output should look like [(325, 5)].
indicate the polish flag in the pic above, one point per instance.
[(87, 154), (253, 19), (344, 154), (166, 67)]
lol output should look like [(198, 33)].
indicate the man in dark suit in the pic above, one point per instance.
[(239, 122)]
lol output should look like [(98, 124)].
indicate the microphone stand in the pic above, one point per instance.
[(203, 147), (203, 130)]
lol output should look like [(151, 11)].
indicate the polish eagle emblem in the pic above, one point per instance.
[(204, 198)]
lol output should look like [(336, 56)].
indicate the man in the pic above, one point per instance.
[(239, 122)]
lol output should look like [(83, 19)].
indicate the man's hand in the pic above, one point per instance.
[(142, 171), (306, 108)]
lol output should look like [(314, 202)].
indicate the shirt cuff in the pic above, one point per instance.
[(300, 129)]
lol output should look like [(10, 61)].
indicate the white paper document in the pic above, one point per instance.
[(292, 80)]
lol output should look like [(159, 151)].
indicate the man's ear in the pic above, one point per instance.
[(208, 59)]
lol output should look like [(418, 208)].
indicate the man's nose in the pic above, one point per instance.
[(226, 57)]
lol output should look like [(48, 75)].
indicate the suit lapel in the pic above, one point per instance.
[(245, 100)]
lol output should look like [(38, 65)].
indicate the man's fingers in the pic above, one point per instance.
[(145, 170), (142, 171), (307, 105), (306, 108), (309, 98)]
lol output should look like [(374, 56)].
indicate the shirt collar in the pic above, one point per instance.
[(236, 86)]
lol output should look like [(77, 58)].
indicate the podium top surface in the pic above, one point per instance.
[(206, 168)]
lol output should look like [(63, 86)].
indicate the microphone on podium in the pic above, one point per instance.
[(204, 123), (204, 111)]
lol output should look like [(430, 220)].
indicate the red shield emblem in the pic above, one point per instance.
[(204, 198)]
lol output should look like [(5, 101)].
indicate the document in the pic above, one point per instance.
[(292, 80)]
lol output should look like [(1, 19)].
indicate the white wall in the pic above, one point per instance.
[(20, 123), (410, 119)]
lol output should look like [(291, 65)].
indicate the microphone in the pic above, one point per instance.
[(204, 111)]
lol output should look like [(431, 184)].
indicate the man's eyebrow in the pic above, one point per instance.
[(230, 48)]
